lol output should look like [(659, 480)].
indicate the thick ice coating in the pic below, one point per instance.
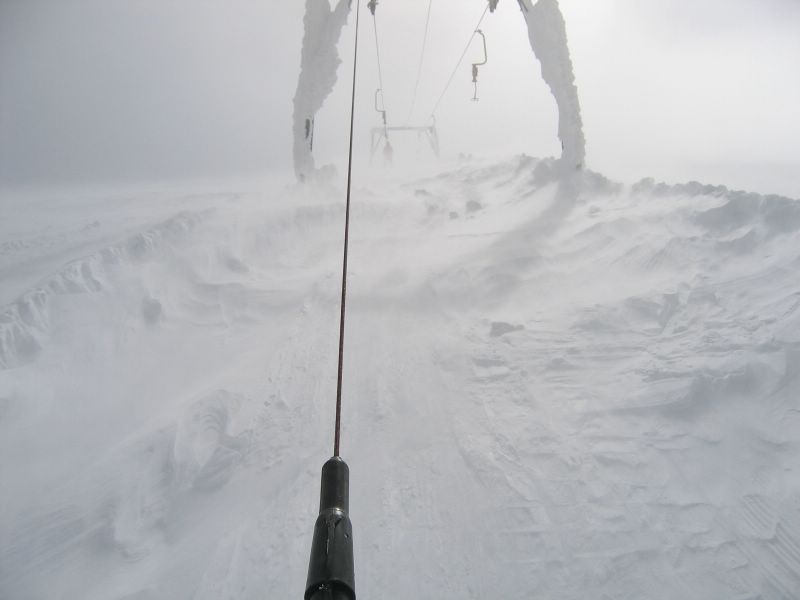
[(318, 65), (548, 35)]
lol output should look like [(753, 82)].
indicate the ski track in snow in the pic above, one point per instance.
[(552, 390)]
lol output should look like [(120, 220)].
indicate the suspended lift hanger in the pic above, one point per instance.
[(479, 64), (381, 109)]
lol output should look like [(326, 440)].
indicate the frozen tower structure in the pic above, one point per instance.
[(548, 36), (547, 32), (318, 65)]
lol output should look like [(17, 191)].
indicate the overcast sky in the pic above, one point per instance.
[(120, 90)]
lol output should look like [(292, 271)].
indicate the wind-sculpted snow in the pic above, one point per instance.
[(561, 388), (25, 323), (548, 36), (741, 211)]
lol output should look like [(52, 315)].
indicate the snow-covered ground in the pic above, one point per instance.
[(553, 390)]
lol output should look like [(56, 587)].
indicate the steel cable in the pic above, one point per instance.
[(460, 60)]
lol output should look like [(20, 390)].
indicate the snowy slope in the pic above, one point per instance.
[(552, 390)]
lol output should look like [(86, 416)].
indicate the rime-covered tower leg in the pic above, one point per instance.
[(548, 36), (318, 64)]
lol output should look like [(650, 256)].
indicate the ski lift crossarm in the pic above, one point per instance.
[(379, 133)]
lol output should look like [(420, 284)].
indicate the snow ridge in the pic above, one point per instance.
[(25, 322)]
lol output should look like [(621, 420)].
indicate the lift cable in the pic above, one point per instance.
[(421, 60), (460, 60)]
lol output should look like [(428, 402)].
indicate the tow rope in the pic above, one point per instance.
[(331, 572), (337, 433)]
